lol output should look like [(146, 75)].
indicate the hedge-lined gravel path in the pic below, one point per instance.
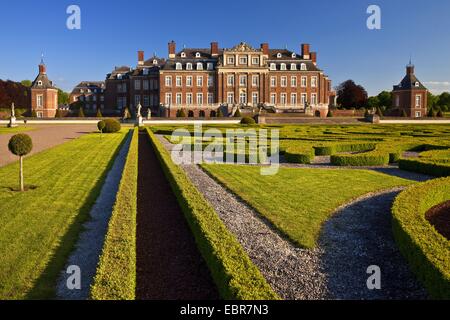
[(358, 236), (168, 265), (44, 137), (90, 244)]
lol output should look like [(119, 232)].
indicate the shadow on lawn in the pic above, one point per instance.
[(45, 286)]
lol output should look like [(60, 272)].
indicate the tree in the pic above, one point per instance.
[(351, 95), (444, 99), (20, 145), (26, 83), (81, 113), (63, 97), (34, 114), (373, 102), (440, 114), (379, 112), (101, 126), (181, 113), (385, 99), (58, 113), (237, 114), (432, 100), (404, 114)]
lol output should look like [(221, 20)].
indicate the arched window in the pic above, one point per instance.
[(283, 66), (179, 66), (273, 66), (303, 67), (293, 66), (189, 66), (191, 114), (199, 66)]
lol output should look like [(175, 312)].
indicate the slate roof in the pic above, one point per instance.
[(45, 82), (91, 85), (409, 83)]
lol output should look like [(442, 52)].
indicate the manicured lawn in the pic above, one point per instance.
[(299, 201), (4, 130), (38, 228)]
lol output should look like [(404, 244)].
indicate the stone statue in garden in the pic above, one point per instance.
[(138, 111), (149, 114), (12, 120)]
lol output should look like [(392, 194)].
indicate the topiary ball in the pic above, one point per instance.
[(20, 144), (101, 125), (111, 126), (248, 120)]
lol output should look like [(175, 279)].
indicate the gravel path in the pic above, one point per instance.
[(357, 236), (44, 137), (90, 244)]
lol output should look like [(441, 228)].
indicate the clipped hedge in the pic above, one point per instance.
[(427, 251), (299, 154), (233, 272), (111, 126), (361, 160), (432, 168), (115, 278)]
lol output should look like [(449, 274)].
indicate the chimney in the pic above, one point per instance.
[(140, 58), (265, 48), (172, 49), (42, 69), (214, 49), (314, 57), (410, 69), (305, 51)]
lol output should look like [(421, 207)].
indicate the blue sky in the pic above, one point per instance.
[(112, 32)]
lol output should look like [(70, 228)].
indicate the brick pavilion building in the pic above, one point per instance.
[(44, 95)]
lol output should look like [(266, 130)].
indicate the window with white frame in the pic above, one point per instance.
[(273, 82), (230, 97), (146, 101), (230, 80), (284, 81), (209, 66), (255, 60), (189, 81), (418, 114), (178, 99), (178, 81), (418, 101), (189, 66), (313, 82), (294, 55), (230, 60), (242, 60), (198, 55), (137, 99), (145, 84), (243, 98), (303, 67), (168, 81), (303, 98), (293, 99), (273, 66), (304, 82), (293, 82), (273, 98), (210, 81), (293, 66), (283, 67), (255, 99), (188, 98), (210, 98), (168, 99), (314, 98), (40, 101), (199, 81), (179, 66), (243, 80), (199, 66), (199, 99), (283, 100), (183, 55), (255, 80)]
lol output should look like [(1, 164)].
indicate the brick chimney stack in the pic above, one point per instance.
[(140, 58), (410, 69), (265, 49), (172, 49), (305, 51), (214, 49), (42, 68), (314, 57)]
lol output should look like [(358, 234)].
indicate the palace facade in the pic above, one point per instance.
[(202, 81)]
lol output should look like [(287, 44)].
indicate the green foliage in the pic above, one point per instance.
[(385, 99), (330, 114), (111, 126), (115, 278), (26, 83), (373, 102), (219, 113), (81, 113), (237, 114), (426, 250), (20, 144), (298, 154), (34, 114), (63, 97), (248, 121), (367, 159), (181, 113), (101, 125), (235, 275), (440, 114), (404, 114), (379, 112), (58, 113), (429, 167), (99, 113)]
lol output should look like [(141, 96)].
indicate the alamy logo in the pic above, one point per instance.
[(374, 281), (374, 20), (74, 280), (74, 20)]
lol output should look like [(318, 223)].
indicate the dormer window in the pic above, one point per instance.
[(273, 66), (303, 67), (199, 66), (119, 76), (183, 55), (294, 55), (417, 84), (210, 66), (178, 66), (279, 55), (189, 66), (293, 66), (39, 83), (155, 61), (197, 55), (145, 71), (283, 66)]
